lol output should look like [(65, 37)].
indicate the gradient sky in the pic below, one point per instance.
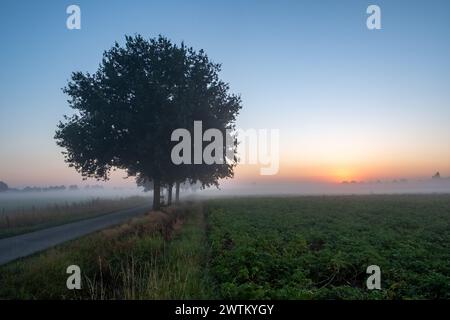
[(350, 103)]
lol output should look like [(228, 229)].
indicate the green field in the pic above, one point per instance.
[(255, 248), (320, 247)]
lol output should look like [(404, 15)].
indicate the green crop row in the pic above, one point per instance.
[(320, 247)]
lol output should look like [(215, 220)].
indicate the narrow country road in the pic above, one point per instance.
[(29, 243)]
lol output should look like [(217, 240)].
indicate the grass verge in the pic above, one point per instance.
[(159, 256)]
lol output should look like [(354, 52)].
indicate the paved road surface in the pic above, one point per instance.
[(29, 243)]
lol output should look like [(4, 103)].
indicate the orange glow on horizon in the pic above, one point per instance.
[(337, 173)]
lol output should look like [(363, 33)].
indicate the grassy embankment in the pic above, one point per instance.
[(154, 257), (22, 220)]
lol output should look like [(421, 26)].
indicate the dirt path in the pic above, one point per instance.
[(25, 244)]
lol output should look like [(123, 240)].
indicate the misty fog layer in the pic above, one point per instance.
[(311, 188), (27, 200)]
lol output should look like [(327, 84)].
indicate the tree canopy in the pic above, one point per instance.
[(126, 111)]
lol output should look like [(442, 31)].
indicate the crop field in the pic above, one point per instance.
[(310, 247), (320, 247)]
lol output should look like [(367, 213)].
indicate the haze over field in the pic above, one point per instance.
[(29, 200)]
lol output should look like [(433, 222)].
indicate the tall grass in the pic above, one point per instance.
[(159, 256), (20, 220)]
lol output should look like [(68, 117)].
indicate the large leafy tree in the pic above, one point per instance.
[(126, 111)]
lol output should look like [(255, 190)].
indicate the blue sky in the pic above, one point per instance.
[(342, 95)]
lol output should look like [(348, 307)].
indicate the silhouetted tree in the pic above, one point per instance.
[(3, 186), (127, 110), (206, 98), (437, 175)]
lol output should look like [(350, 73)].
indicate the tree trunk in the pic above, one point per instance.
[(169, 195), (177, 192), (156, 195)]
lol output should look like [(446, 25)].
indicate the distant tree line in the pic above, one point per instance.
[(4, 187)]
